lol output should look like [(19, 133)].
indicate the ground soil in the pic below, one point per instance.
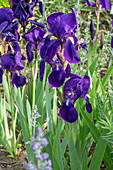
[(7, 163)]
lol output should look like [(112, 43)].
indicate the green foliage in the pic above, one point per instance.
[(4, 3)]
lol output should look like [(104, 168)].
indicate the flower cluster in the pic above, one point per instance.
[(59, 48), (62, 27), (38, 142), (23, 10), (12, 58)]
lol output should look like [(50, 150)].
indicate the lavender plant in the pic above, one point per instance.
[(38, 142)]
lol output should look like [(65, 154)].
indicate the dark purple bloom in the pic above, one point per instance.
[(1, 74), (62, 25), (79, 86), (92, 30), (90, 3), (8, 27), (105, 3), (34, 34), (23, 11), (57, 77), (68, 112), (12, 60), (18, 79)]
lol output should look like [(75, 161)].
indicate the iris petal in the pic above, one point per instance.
[(68, 112), (70, 53), (105, 3), (57, 77)]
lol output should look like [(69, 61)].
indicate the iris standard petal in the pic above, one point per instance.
[(54, 21), (68, 112), (67, 25), (70, 53), (73, 81), (105, 3), (90, 3)]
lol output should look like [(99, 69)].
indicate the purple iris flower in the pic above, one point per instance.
[(18, 79), (34, 34), (68, 112), (8, 27), (79, 85), (62, 25), (12, 60), (9, 31), (1, 74), (74, 88), (57, 77), (35, 37), (22, 10)]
